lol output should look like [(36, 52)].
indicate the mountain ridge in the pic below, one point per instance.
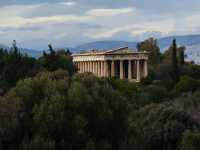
[(191, 42)]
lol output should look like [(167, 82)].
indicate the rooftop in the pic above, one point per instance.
[(121, 50)]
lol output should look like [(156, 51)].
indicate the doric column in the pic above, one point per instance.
[(86, 66), (93, 67), (121, 69), (77, 66), (99, 69), (145, 68), (102, 69), (113, 68), (129, 70), (81, 67), (105, 69), (138, 70), (90, 66)]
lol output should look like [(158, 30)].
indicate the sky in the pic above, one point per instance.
[(68, 23)]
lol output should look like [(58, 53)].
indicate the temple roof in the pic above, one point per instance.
[(122, 50)]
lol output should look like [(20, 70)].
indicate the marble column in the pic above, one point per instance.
[(90, 66), (86, 66), (102, 69), (113, 68), (145, 68), (93, 65), (99, 69), (80, 67), (138, 70), (77, 66), (129, 70), (95, 68), (105, 69), (121, 69)]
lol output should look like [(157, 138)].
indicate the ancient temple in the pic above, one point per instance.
[(123, 63)]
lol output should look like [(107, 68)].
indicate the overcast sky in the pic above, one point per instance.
[(67, 23)]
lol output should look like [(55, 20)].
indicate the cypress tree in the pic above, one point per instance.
[(182, 56), (174, 61)]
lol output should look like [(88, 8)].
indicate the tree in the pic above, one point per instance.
[(181, 51), (57, 60), (191, 140), (187, 84), (159, 127), (78, 113), (150, 45), (174, 61), (14, 66), (38, 143)]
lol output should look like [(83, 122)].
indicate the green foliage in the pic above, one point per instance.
[(194, 71), (66, 112), (38, 143), (126, 88), (153, 94), (57, 60), (14, 66), (191, 141), (187, 84), (149, 79), (150, 45), (167, 55), (159, 127), (181, 52), (163, 75), (174, 61), (52, 109)]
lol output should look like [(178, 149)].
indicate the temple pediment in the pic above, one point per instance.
[(123, 50)]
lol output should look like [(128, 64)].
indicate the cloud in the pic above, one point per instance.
[(136, 29), (35, 23), (69, 3), (17, 21), (17, 10), (109, 12)]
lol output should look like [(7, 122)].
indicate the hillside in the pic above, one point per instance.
[(3, 46), (191, 42), (31, 52), (105, 45)]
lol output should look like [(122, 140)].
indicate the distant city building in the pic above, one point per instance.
[(123, 63)]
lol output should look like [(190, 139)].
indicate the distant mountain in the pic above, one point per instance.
[(31, 52), (187, 40), (164, 43), (100, 45), (191, 42), (3, 46)]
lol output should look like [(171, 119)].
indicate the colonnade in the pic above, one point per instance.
[(123, 69), (99, 68)]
